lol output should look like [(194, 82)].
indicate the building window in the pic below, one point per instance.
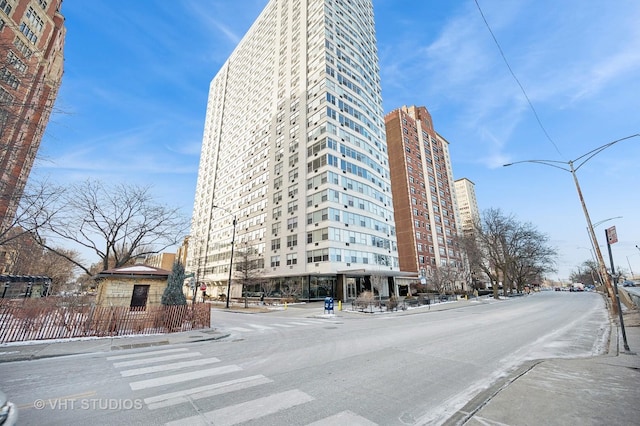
[(292, 259), (275, 228), (275, 244), (6, 7), (275, 261), (277, 212), (292, 240), (292, 223), (28, 33)]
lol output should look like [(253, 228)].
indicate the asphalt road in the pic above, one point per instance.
[(293, 368)]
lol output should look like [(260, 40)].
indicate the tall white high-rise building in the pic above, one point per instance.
[(467, 204), (294, 151)]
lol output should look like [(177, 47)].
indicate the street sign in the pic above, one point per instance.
[(612, 236), (189, 275)]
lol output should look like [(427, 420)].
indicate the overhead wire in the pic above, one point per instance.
[(524, 92)]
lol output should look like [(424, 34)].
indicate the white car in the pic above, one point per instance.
[(8, 411)]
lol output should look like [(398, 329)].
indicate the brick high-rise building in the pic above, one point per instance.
[(32, 37), (294, 148), (423, 194)]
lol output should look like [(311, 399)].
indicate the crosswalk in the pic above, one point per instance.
[(151, 372), (250, 327)]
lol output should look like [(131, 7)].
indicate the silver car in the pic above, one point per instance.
[(8, 411)]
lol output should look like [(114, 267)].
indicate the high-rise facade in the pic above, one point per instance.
[(467, 204), (294, 165), (423, 192), (32, 37)]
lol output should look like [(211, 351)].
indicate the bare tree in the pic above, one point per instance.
[(37, 206), (377, 283), (118, 222), (249, 268), (291, 289), (587, 273), (443, 279), (507, 251), (28, 257)]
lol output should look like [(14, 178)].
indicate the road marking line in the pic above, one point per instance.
[(240, 329), (157, 359), (168, 367), (174, 398), (140, 354), (260, 327), (185, 377), (344, 418), (247, 411), (282, 325)]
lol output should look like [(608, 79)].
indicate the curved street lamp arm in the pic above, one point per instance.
[(545, 162), (596, 151)]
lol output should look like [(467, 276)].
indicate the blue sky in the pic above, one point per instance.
[(137, 73)]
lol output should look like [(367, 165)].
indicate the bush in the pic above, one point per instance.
[(173, 294), (365, 297)]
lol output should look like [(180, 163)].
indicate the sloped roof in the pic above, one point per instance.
[(135, 270)]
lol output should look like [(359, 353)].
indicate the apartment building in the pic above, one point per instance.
[(32, 35), (294, 172), (467, 204), (423, 192)]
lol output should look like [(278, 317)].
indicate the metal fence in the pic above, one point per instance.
[(48, 318)]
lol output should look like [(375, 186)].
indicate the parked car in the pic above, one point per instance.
[(628, 284), (8, 411)]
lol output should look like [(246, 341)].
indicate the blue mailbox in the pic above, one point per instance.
[(328, 304)]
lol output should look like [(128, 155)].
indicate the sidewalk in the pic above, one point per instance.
[(603, 390), (588, 391)]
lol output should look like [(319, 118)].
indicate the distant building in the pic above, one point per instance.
[(181, 253), (467, 204), (161, 260), (423, 195), (32, 35), (294, 167)]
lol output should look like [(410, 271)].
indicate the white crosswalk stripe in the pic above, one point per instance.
[(253, 327), (344, 418), (246, 411), (163, 368), (145, 354), (168, 367), (201, 392), (260, 327), (184, 377), (147, 360), (240, 329)]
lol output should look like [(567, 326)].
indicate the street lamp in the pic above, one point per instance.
[(589, 155), (233, 240)]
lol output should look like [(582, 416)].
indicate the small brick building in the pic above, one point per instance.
[(134, 286)]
